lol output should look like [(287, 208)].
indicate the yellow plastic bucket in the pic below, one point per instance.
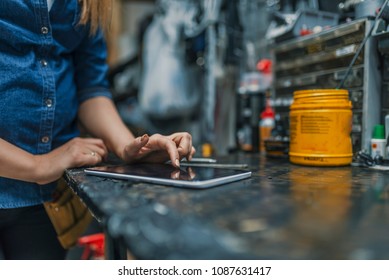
[(320, 127)]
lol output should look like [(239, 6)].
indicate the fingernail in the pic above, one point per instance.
[(177, 162), (144, 137)]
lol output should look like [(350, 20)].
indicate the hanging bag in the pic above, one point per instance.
[(68, 214)]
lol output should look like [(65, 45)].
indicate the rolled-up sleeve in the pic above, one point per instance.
[(91, 68)]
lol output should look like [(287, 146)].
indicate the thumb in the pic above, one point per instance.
[(133, 148)]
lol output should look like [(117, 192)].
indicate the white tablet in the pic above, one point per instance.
[(165, 174)]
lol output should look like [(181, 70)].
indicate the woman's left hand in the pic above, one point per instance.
[(160, 148)]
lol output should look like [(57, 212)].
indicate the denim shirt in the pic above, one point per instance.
[(48, 65)]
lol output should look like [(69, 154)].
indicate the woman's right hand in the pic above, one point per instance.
[(75, 153)]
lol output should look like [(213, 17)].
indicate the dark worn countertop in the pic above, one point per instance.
[(284, 211)]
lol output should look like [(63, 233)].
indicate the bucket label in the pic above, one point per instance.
[(311, 124), (293, 128), (320, 134)]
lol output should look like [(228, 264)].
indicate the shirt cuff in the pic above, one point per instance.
[(93, 92)]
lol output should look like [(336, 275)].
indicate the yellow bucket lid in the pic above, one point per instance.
[(321, 94)]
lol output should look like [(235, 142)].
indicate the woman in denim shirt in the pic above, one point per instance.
[(52, 79)]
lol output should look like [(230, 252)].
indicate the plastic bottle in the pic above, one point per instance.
[(378, 142), (266, 126)]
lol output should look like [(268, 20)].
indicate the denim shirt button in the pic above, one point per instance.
[(44, 30), (43, 63), (49, 102), (45, 139)]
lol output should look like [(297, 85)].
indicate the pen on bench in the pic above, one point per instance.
[(202, 160), (215, 165), (209, 162)]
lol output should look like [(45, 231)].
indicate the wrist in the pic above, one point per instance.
[(38, 169), (46, 170), (120, 149)]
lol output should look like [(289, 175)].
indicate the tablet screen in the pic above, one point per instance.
[(166, 174)]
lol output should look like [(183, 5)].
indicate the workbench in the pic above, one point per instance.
[(284, 211)]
